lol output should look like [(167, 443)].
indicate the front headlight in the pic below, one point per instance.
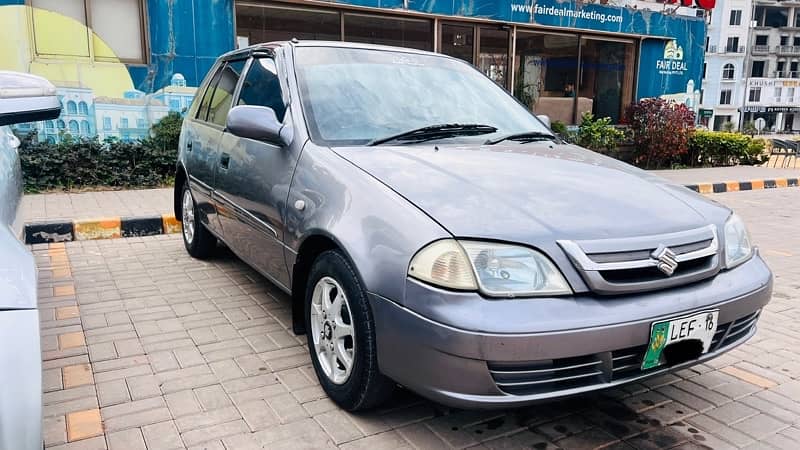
[(737, 242), (497, 270)]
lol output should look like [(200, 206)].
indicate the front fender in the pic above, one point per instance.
[(379, 230)]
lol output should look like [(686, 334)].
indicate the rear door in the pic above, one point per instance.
[(254, 185), (202, 141)]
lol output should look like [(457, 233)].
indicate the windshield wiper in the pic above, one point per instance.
[(528, 136), (440, 131)]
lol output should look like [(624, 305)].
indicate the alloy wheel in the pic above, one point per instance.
[(332, 330), (188, 216)]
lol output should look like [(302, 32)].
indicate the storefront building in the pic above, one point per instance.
[(776, 100), (559, 57)]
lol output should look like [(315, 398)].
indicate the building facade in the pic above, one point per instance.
[(135, 60), (773, 66), (724, 71)]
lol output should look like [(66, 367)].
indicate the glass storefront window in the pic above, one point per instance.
[(399, 32), (546, 66), (606, 77), (458, 41), (493, 54), (268, 23)]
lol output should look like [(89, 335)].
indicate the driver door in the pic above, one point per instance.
[(253, 183)]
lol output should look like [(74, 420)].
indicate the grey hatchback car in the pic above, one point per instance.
[(435, 234)]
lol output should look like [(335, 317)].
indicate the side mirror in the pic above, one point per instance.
[(26, 98), (545, 119), (259, 123)]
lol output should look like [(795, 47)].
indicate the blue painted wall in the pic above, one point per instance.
[(186, 36)]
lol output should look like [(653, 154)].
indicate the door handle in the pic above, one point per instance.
[(189, 146), (225, 160)]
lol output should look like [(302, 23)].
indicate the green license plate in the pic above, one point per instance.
[(699, 326)]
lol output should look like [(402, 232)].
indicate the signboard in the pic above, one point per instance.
[(777, 109), (770, 82), (669, 64), (706, 112), (770, 109)]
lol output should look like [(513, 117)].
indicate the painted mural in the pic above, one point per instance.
[(103, 93)]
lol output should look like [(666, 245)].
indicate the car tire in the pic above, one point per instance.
[(199, 242), (360, 386)]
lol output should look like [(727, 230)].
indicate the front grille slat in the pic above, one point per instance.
[(542, 371), (551, 380)]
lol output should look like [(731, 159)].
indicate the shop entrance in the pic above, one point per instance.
[(490, 54)]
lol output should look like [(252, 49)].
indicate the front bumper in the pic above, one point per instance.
[(473, 364)]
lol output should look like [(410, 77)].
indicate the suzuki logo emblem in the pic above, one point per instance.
[(666, 260)]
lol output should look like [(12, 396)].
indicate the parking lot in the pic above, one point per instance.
[(145, 347)]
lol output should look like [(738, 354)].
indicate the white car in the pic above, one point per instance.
[(23, 98)]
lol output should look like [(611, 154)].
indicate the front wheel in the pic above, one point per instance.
[(341, 335), (199, 242)]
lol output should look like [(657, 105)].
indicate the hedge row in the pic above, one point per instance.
[(722, 148), (79, 163)]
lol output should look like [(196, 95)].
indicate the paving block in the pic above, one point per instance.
[(84, 424), (77, 375), (162, 435), (71, 340), (130, 439)]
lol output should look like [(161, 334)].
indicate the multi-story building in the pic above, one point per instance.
[(128, 118), (724, 74), (773, 66), (177, 96)]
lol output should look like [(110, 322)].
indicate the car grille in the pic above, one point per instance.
[(548, 376), (619, 266)]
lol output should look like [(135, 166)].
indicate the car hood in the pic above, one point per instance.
[(528, 192)]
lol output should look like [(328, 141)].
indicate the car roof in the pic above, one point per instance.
[(269, 48)]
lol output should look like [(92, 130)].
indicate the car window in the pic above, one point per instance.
[(221, 100), (261, 87), (202, 110)]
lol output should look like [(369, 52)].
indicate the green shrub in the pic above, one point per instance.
[(80, 163), (598, 133), (660, 131), (722, 148), (165, 132), (558, 128)]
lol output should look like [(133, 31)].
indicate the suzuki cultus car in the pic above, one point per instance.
[(434, 233)]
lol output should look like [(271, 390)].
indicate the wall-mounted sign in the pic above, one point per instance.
[(771, 109)]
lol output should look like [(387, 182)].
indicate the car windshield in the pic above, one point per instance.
[(358, 96)]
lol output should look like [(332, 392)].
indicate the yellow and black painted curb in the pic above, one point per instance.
[(734, 186), (103, 228)]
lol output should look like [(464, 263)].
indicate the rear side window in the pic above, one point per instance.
[(220, 102), (261, 87), (202, 110)]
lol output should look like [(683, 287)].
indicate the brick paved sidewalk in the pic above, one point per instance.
[(722, 174), (91, 205), (144, 347)]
